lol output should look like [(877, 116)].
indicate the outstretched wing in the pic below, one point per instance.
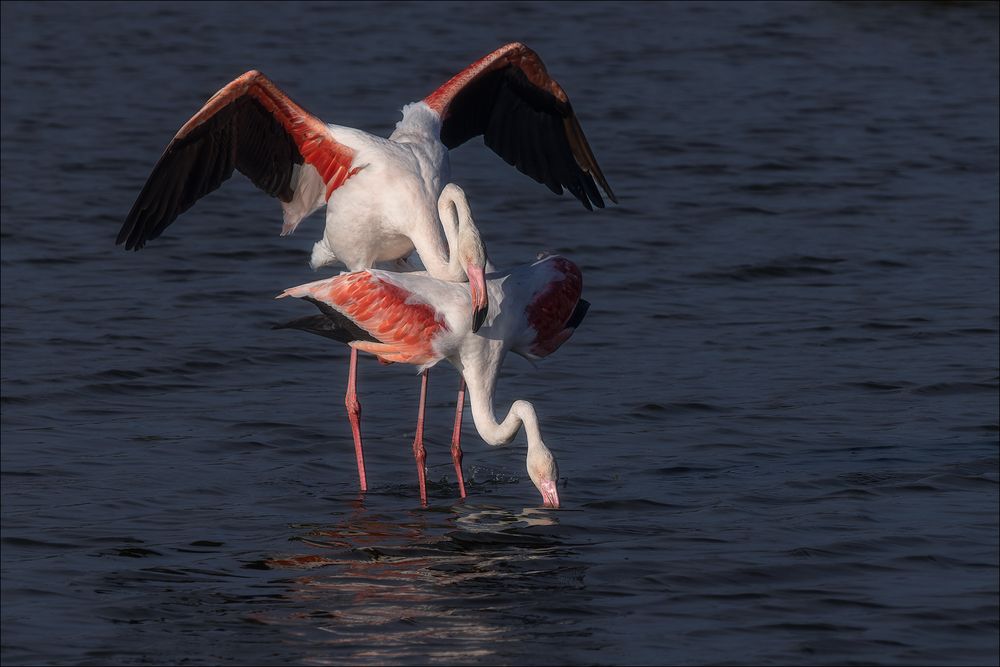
[(250, 125), (525, 117)]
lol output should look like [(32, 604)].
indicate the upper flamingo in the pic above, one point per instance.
[(381, 195), (413, 318)]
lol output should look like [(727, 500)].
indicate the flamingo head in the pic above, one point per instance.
[(473, 254), (480, 298), (544, 474), (453, 208)]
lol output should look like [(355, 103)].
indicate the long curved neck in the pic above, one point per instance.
[(452, 219), (481, 387), (501, 433), (443, 257), (479, 364)]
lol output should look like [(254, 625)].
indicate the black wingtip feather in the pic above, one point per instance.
[(582, 306), (242, 135), (321, 325), (526, 126)]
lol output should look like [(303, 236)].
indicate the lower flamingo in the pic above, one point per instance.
[(415, 319)]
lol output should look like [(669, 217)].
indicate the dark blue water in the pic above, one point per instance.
[(777, 427)]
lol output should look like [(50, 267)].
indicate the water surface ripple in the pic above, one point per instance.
[(777, 428)]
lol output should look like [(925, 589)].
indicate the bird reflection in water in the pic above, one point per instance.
[(436, 585)]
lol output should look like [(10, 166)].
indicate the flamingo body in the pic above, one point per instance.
[(416, 319), (399, 328)]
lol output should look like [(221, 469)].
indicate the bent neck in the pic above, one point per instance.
[(461, 237), (481, 387), (539, 461)]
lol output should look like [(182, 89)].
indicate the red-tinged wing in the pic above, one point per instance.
[(398, 328), (525, 117), (249, 125), (556, 311)]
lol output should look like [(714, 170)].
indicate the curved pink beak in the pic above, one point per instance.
[(480, 300), (550, 496)]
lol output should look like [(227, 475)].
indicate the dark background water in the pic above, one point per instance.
[(777, 427)]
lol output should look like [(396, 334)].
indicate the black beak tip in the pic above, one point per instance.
[(478, 317)]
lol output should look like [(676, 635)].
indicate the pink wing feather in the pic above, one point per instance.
[(405, 328), (250, 125)]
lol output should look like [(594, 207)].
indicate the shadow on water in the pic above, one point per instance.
[(458, 584)]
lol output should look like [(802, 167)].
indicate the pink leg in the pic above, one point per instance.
[(456, 439), (418, 442), (354, 414)]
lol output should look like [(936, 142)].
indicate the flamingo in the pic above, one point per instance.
[(383, 196), (380, 194), (415, 319)]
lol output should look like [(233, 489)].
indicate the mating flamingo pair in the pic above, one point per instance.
[(386, 199)]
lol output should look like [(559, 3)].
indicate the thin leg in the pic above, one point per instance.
[(354, 414), (418, 442), (456, 439)]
